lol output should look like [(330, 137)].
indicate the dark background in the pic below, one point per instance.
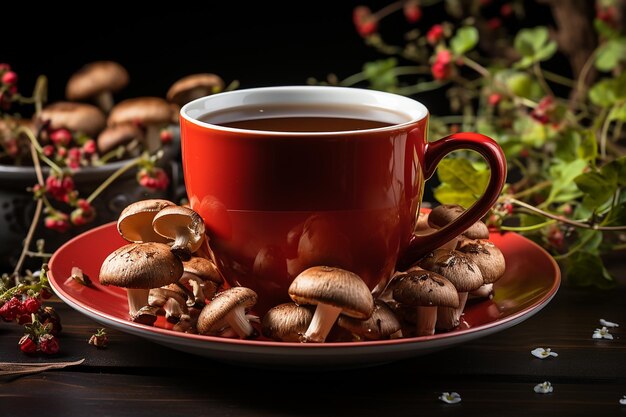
[(257, 43)]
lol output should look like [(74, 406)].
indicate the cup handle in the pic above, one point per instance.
[(434, 152)]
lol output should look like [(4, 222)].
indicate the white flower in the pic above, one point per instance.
[(602, 333), (542, 353), (622, 400), (607, 323), (450, 397), (544, 388)]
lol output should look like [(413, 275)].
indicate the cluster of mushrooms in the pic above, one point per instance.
[(129, 126), (167, 270)]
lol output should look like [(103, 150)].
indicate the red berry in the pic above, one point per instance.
[(49, 344), (61, 137), (49, 317), (434, 34), (166, 136), (364, 21), (45, 294), (12, 309), (48, 150), (4, 67), (25, 319), (9, 78), (506, 10), (58, 221), (442, 69), (31, 305), (27, 345), (89, 147), (412, 11), (494, 23), (494, 99)]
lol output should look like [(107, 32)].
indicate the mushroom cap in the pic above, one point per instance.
[(334, 286), (456, 267), (194, 86), (286, 322), (95, 78), (114, 136), (214, 313), (382, 323), (147, 110), (135, 221), (172, 220), (421, 288), (444, 214), (487, 256), (203, 268), (141, 265), (77, 117), (422, 222)]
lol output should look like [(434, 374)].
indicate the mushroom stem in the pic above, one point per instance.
[(426, 319), (449, 317), (238, 321), (153, 138), (197, 288), (180, 247), (137, 298), (484, 291), (173, 310), (323, 320), (104, 100)]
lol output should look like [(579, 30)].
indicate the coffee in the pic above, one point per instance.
[(301, 118)]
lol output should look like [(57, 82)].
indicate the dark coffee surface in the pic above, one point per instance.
[(307, 124)]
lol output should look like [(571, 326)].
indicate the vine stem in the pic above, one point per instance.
[(529, 191), (575, 223), (542, 80), (38, 209), (604, 134), (558, 78), (35, 144), (402, 70), (582, 77), (527, 228)]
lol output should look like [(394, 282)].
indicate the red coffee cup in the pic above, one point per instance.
[(277, 202)]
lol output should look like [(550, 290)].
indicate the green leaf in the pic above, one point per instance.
[(617, 216), (597, 188), (380, 74), (567, 146), (602, 93), (461, 181), (534, 45), (604, 30), (611, 54), (590, 240), (618, 112), (464, 40), (585, 269), (563, 174), (588, 149)]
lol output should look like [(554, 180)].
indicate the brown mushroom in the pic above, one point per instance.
[(464, 275), (334, 291), (444, 214), (286, 322), (228, 308), (382, 324), (194, 86), (184, 226), (204, 279), (97, 81), (487, 256), (426, 292), (77, 117), (138, 267), (146, 315), (125, 134), (422, 227), (152, 112), (135, 222)]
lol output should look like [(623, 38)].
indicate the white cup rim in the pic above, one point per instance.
[(413, 109)]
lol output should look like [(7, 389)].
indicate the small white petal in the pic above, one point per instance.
[(602, 333), (450, 397), (622, 400), (543, 388), (607, 323), (542, 353), (596, 335), (608, 336)]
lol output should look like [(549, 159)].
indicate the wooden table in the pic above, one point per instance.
[(494, 375)]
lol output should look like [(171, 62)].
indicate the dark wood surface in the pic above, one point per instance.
[(495, 375)]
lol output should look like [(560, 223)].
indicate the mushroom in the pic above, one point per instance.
[(426, 292), (135, 222), (487, 256), (228, 308), (184, 226), (382, 324), (157, 297), (77, 117), (204, 279), (286, 322), (97, 81), (139, 267), (152, 112), (333, 291), (194, 86), (146, 315), (464, 275), (422, 227), (444, 214), (484, 291), (125, 134)]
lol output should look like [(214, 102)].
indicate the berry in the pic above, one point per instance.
[(494, 99), (4, 67), (154, 179), (412, 11), (99, 339), (49, 344), (11, 310), (31, 305), (59, 187), (27, 345), (48, 150), (89, 147), (506, 10), (9, 78), (166, 136), (49, 317), (61, 137), (494, 23), (45, 294), (434, 34), (57, 221), (556, 237), (364, 21), (25, 319), (544, 110), (442, 67)]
